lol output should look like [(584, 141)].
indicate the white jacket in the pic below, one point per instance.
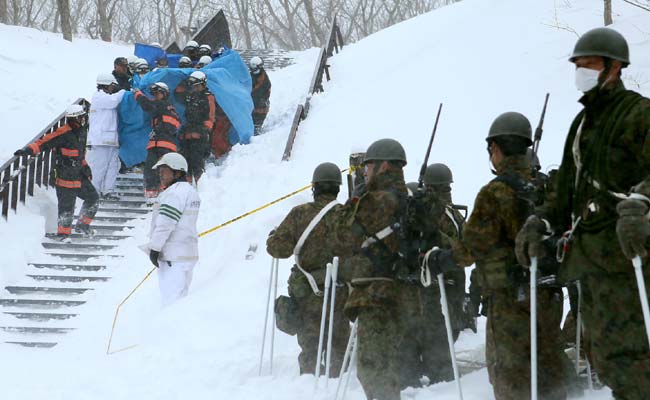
[(173, 223), (103, 118)]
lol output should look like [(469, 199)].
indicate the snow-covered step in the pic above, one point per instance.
[(42, 290), (68, 278), (40, 303), (80, 238), (114, 220), (68, 266), (81, 256), (105, 228), (41, 316), (42, 345), (130, 186), (124, 203), (130, 178), (78, 246), (123, 210), (36, 330), (130, 194)]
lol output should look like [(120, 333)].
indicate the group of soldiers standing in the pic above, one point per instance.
[(593, 210)]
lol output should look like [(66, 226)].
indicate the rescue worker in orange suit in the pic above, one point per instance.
[(200, 115), (220, 141), (71, 173), (162, 139), (261, 93)]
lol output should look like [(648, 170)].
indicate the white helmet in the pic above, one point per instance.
[(184, 61), (74, 111), (156, 44), (204, 60), (106, 79), (205, 48), (174, 161), (193, 44), (256, 62), (131, 59), (197, 77), (159, 86)]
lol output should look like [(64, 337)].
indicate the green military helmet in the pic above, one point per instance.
[(511, 124), (603, 42), (385, 150), (327, 172), (438, 174), (412, 187)]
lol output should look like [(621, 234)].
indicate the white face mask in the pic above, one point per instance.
[(586, 79)]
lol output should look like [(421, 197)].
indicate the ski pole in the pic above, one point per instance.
[(353, 363), (266, 315), (578, 327), (345, 367), (275, 293), (328, 359), (643, 294), (450, 336), (322, 322), (533, 328)]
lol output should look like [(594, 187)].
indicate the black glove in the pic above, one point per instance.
[(633, 227), (153, 256), (441, 261), (22, 152), (528, 242), (87, 172)]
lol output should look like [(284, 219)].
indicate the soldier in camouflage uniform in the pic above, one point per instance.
[(316, 252), (423, 349), (500, 210), (438, 179), (606, 157), (368, 236)]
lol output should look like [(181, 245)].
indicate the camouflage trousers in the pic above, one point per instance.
[(508, 344), (377, 368), (611, 312), (423, 347), (310, 308), (619, 345)]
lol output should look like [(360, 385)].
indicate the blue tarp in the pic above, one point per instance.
[(228, 79)]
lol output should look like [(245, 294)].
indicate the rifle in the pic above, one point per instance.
[(539, 130), (423, 170)]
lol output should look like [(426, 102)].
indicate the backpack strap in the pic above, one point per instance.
[(301, 242)]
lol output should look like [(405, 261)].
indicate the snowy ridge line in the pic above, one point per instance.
[(334, 42), (20, 173)]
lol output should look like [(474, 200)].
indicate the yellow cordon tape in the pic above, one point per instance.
[(216, 228), (117, 311)]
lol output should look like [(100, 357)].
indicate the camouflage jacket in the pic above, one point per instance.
[(381, 206), (489, 234), (614, 150), (317, 250)]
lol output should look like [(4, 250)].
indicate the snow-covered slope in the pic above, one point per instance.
[(479, 57), (41, 74)]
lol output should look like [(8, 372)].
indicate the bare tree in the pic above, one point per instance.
[(4, 12), (64, 13), (608, 12)]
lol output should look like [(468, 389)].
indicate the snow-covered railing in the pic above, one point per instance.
[(334, 43), (20, 173)]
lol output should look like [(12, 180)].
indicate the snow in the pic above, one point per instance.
[(479, 57)]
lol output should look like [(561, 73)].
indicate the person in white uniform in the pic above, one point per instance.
[(102, 144), (173, 240)]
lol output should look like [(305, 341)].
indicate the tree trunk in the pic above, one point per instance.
[(4, 12), (608, 12), (105, 25), (64, 12)]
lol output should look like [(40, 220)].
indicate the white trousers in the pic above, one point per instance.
[(174, 279), (104, 162)]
